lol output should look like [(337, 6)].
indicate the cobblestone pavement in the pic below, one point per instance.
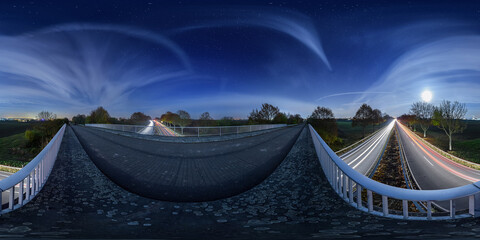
[(295, 202)]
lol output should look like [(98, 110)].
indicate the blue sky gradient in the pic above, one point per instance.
[(69, 57)]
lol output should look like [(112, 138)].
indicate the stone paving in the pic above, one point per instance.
[(295, 202)]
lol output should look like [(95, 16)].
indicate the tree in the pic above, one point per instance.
[(448, 117), (99, 115), (363, 117), (139, 118), (170, 117), (408, 119), (265, 115), (280, 118), (268, 112), (79, 119), (205, 116), (324, 122), (206, 120), (322, 113), (294, 119), (183, 118), (376, 118), (46, 116), (423, 112)]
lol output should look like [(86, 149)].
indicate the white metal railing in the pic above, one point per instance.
[(189, 131), (23, 185), (349, 183)]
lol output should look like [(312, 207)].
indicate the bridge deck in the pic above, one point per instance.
[(187, 171), (78, 201)]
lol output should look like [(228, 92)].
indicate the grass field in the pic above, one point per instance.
[(350, 134), (13, 152), (12, 144), (466, 145), (9, 128)]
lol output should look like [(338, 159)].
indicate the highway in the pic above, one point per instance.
[(365, 156), (163, 130), (148, 130), (431, 170)]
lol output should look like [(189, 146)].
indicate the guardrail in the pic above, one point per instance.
[(189, 131), (222, 130), (30, 179), (349, 184)]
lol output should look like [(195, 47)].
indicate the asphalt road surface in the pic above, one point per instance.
[(431, 170), (187, 172), (365, 156)]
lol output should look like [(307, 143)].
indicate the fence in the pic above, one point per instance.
[(349, 184), (188, 131), (30, 179)]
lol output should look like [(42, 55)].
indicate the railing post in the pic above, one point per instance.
[(198, 132), (220, 131), (429, 210), (345, 187), (359, 196), (28, 187), (405, 209), (350, 190), (237, 130), (20, 194), (452, 208), (12, 197), (385, 205), (474, 205), (369, 200)]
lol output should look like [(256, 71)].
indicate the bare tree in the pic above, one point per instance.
[(322, 113), (183, 118), (423, 112), (268, 111), (45, 116), (266, 114), (363, 117), (448, 117), (205, 116)]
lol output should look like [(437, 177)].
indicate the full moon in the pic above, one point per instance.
[(427, 96)]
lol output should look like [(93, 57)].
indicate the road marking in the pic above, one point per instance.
[(427, 160)]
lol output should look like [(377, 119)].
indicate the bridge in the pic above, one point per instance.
[(301, 190)]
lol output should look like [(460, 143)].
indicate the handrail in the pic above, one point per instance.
[(347, 182), (31, 178)]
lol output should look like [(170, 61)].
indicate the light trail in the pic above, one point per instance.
[(429, 153)]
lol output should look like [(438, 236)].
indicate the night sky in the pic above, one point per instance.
[(69, 57)]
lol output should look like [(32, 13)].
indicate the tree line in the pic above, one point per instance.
[(447, 116)]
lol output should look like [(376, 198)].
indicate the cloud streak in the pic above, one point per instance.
[(448, 67), (296, 26), (85, 65)]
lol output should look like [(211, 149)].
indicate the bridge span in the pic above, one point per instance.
[(296, 201)]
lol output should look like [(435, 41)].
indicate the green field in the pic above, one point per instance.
[(9, 128), (466, 145), (350, 134), (13, 151)]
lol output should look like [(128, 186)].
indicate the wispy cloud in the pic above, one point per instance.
[(84, 65), (448, 67), (349, 93), (294, 25)]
